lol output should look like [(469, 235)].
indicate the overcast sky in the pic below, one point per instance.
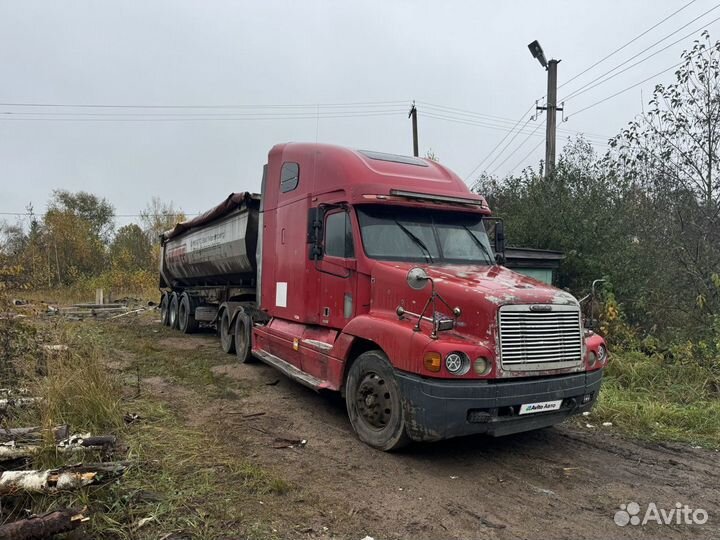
[(358, 65)]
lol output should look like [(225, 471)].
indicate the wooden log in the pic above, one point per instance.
[(44, 526), (11, 450), (53, 480), (33, 433)]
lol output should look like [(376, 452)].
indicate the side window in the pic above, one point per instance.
[(338, 236), (289, 176)]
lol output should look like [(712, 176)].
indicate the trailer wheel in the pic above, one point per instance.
[(374, 403), (165, 309), (227, 339), (173, 311), (243, 344), (186, 319)]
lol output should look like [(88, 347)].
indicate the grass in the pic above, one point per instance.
[(184, 480), (659, 399)]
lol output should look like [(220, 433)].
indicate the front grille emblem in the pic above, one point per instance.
[(541, 307)]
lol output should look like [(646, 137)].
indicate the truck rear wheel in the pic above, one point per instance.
[(173, 311), (227, 338), (165, 309), (374, 403), (186, 318), (243, 344)]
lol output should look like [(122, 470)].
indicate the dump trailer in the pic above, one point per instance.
[(374, 275)]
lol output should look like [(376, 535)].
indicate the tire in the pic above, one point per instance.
[(227, 338), (186, 318), (243, 337), (374, 402), (173, 311), (165, 309)]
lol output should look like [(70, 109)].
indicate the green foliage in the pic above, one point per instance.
[(97, 213), (130, 249), (662, 396), (73, 246)]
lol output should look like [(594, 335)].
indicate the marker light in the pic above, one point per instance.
[(432, 361)]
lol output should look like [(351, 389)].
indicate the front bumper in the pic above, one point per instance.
[(440, 409)]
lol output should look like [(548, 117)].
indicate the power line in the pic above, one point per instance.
[(487, 120), (193, 114), (526, 139), (626, 89), (628, 43), (524, 158), (600, 139), (502, 140), (204, 106), (194, 118), (178, 214), (590, 84)]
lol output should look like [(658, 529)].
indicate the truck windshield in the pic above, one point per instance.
[(412, 234)]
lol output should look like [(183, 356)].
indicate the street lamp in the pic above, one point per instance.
[(537, 52), (551, 107)]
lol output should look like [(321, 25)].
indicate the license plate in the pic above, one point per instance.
[(529, 408)]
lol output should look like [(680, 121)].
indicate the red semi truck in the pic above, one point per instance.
[(373, 275)]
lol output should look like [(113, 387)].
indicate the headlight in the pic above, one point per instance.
[(457, 363), (592, 358), (602, 353), (482, 366)]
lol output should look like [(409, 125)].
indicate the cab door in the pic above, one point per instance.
[(337, 276)]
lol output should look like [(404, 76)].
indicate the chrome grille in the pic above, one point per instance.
[(540, 339)]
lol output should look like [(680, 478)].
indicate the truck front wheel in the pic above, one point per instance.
[(374, 404)]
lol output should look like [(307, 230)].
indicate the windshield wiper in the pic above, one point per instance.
[(417, 241), (478, 242)]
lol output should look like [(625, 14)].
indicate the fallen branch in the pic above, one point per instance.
[(126, 314), (44, 526), (10, 403), (54, 480)]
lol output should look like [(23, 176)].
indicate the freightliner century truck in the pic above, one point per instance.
[(373, 275)]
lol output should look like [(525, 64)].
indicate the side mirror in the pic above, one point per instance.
[(314, 233), (499, 242), (417, 279)]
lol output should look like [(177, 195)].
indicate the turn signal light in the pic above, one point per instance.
[(432, 361)]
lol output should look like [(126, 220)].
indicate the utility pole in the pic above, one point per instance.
[(413, 115), (551, 107), (551, 110)]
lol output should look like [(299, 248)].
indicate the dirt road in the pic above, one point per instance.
[(563, 482)]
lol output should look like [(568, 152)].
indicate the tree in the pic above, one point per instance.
[(131, 249), (159, 217), (97, 212), (670, 154), (73, 248)]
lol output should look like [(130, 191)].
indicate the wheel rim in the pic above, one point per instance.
[(173, 313), (374, 401)]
